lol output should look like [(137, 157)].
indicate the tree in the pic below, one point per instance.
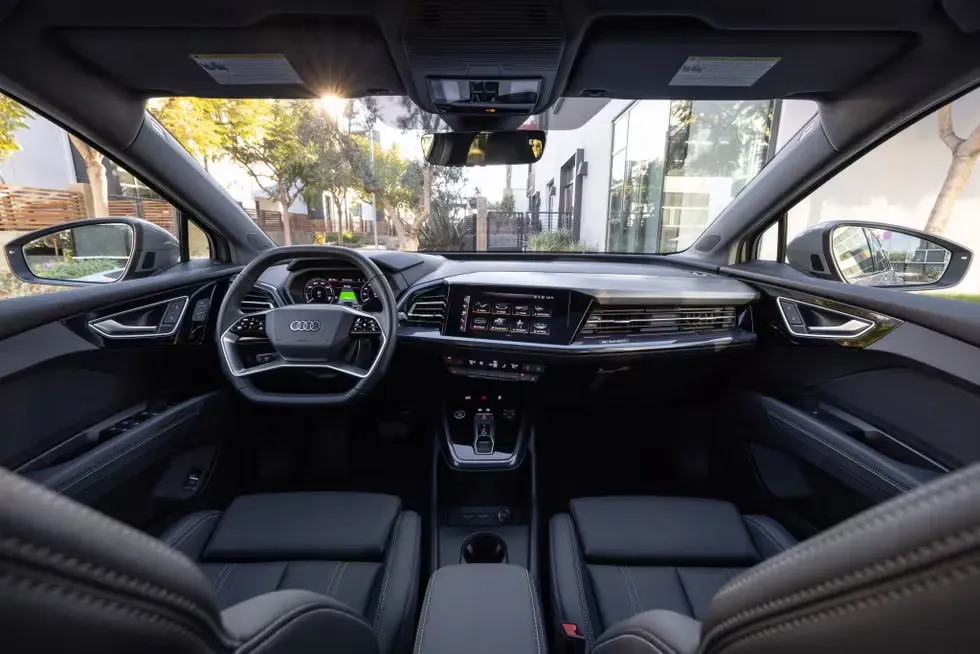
[(95, 171), (414, 118), (263, 136), (330, 171), (198, 123), (13, 117), (964, 153)]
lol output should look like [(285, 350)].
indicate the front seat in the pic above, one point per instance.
[(615, 557), (293, 572), (901, 577)]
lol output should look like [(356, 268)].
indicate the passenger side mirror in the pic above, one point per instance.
[(874, 254), (95, 251)]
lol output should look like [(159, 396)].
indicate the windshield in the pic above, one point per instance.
[(616, 175)]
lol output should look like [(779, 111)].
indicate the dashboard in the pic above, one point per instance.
[(499, 318)]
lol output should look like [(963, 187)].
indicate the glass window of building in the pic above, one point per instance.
[(677, 164)]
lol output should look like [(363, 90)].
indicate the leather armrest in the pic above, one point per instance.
[(652, 632), (298, 622), (480, 609)]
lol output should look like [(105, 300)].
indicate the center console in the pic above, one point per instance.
[(483, 477), (481, 609)]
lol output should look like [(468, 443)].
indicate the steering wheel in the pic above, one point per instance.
[(310, 337)]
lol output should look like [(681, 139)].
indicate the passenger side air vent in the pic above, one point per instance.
[(429, 308), (603, 321), (258, 299)]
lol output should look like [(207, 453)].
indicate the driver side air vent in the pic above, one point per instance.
[(257, 300), (605, 321), (429, 308)]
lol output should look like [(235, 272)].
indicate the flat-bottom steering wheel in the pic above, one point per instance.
[(311, 337)]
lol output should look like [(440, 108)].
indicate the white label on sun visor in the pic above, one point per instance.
[(722, 71), (248, 69)]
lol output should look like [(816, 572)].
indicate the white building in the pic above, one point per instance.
[(590, 174)]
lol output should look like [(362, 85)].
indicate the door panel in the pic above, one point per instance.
[(97, 417), (837, 424)]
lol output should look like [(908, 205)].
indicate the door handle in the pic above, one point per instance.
[(798, 317), (112, 327), (848, 328), (157, 320)]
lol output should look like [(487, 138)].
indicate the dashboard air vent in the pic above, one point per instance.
[(604, 321), (429, 308), (258, 299)]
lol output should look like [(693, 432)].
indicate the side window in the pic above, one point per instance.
[(921, 179), (50, 178)]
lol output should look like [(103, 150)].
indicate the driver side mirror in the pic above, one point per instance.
[(94, 251), (875, 254)]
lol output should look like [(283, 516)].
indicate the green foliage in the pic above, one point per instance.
[(13, 117), (560, 240), (963, 297), (440, 233), (76, 268)]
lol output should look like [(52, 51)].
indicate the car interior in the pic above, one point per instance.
[(488, 452)]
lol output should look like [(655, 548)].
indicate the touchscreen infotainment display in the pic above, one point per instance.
[(484, 313)]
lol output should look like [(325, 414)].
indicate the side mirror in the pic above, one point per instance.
[(93, 251), (875, 254)]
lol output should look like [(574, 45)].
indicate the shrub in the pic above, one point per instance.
[(560, 240), (440, 233)]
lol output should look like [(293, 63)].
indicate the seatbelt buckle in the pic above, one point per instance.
[(573, 641)]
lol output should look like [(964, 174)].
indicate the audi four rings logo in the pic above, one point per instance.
[(304, 326)]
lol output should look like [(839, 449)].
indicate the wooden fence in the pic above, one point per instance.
[(24, 208)]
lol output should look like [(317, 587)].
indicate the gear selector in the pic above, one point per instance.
[(483, 433)]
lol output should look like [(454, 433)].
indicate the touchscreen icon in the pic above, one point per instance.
[(519, 326), (479, 324), (541, 310), (501, 308), (481, 307), (499, 325), (521, 310), (540, 327)]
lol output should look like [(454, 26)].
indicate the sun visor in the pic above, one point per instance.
[(632, 61), (347, 58)]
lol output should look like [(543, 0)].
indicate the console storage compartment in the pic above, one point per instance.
[(481, 608)]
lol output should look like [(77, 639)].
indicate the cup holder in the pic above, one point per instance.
[(483, 548)]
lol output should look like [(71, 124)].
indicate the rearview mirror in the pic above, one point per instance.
[(483, 148), (874, 254), (95, 251)]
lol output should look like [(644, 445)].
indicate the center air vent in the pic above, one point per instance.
[(257, 300), (429, 308), (604, 321)]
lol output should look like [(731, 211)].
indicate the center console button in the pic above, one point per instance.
[(459, 414)]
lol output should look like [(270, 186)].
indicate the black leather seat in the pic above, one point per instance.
[(616, 557), (358, 548)]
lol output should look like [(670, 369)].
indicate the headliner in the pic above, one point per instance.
[(93, 64)]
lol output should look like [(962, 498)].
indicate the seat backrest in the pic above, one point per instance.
[(74, 580), (901, 577)]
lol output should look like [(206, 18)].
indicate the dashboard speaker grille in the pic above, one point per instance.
[(257, 300), (429, 308), (657, 320)]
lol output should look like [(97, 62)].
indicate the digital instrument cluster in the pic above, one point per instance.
[(346, 287)]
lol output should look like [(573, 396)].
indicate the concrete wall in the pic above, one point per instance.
[(44, 158), (595, 137)]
